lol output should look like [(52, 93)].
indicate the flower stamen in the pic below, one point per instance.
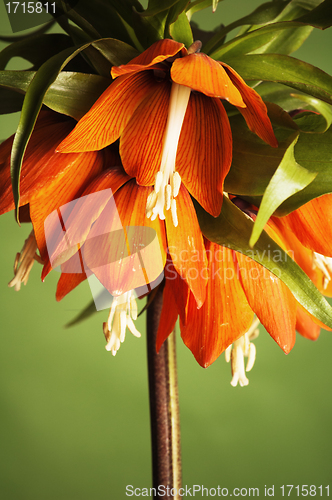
[(24, 261), (238, 350), (168, 181), (325, 265), (122, 315)]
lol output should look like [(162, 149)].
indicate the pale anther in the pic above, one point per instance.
[(240, 349), (122, 315), (24, 262)]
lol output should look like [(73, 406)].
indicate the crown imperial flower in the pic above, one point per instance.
[(168, 103)]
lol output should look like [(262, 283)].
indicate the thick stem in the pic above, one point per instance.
[(164, 407)]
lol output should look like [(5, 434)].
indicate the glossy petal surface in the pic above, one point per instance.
[(205, 151), (187, 247), (142, 140), (225, 315), (312, 224), (104, 122), (271, 300), (201, 73)]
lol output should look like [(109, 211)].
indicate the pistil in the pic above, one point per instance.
[(122, 315), (238, 350), (24, 261), (168, 181)]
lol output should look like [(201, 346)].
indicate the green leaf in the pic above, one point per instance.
[(254, 164), (262, 15), (17, 38), (232, 228), (295, 33), (174, 13), (287, 70), (288, 179), (309, 122), (181, 30), (198, 5), (116, 51), (285, 15), (33, 101), (157, 6), (36, 50)]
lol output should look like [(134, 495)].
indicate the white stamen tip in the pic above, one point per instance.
[(238, 350), (121, 316), (174, 213), (168, 196), (176, 183)]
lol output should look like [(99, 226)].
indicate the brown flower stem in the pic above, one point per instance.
[(164, 407)]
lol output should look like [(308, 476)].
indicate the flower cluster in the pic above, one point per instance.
[(175, 144)]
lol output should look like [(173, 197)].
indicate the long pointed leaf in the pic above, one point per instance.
[(288, 179)]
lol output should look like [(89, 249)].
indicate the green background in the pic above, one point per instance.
[(75, 420)]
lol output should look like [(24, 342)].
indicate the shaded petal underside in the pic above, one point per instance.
[(142, 140), (312, 224), (255, 113), (205, 151), (225, 315), (305, 324), (201, 73), (104, 122), (273, 303)]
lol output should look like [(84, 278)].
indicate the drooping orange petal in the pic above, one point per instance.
[(225, 315), (312, 224), (67, 283), (201, 73), (175, 297), (124, 249), (305, 325), (105, 121), (168, 318), (205, 151), (158, 52), (38, 169), (255, 113), (77, 171), (293, 247), (187, 248), (79, 215), (142, 140), (273, 303)]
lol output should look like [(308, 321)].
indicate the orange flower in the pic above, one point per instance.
[(120, 276), (48, 179), (116, 212), (237, 288), (166, 107)]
